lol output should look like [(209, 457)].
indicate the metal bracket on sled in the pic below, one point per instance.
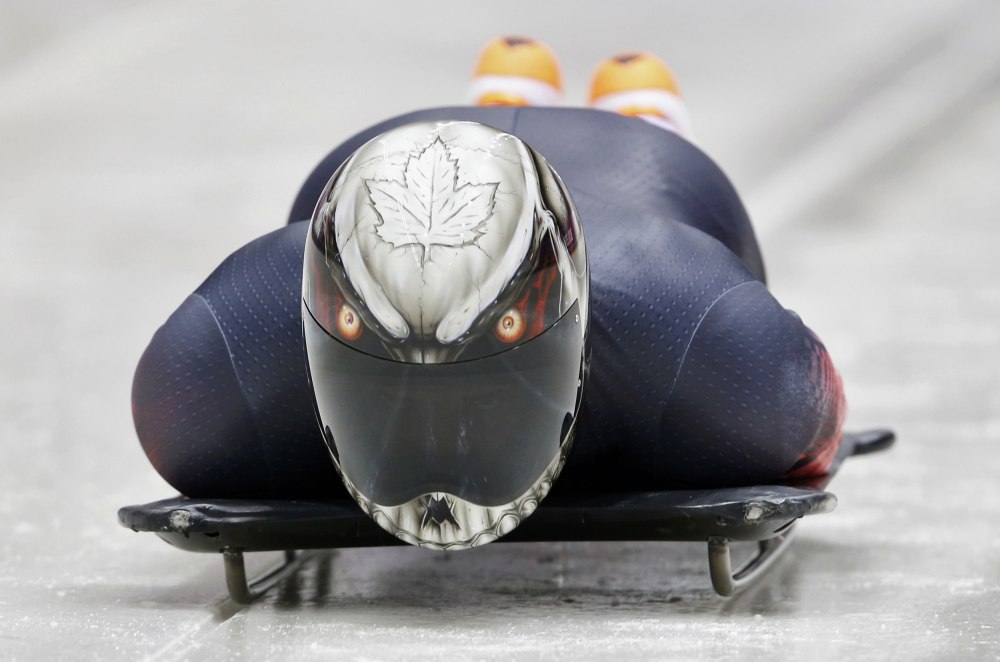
[(243, 592), (720, 567)]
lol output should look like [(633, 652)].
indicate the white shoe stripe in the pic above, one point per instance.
[(534, 91), (667, 103)]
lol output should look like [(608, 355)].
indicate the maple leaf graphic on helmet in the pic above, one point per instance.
[(425, 206)]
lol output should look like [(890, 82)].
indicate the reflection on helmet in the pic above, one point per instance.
[(445, 311)]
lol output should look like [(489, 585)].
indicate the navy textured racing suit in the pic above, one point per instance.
[(699, 378)]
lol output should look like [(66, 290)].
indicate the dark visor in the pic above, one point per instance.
[(483, 430)]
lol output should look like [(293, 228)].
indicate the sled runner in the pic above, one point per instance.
[(762, 513)]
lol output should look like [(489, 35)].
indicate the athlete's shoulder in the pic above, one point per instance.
[(757, 385)]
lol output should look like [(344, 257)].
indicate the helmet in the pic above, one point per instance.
[(445, 314)]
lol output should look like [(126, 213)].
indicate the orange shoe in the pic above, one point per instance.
[(640, 85), (516, 71)]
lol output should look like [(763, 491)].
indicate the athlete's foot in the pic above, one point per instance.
[(516, 71), (640, 85)]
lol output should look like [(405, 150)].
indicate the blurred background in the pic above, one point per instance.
[(141, 143)]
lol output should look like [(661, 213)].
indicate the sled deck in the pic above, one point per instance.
[(764, 514)]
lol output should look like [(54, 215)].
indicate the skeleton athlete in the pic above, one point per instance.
[(421, 255)]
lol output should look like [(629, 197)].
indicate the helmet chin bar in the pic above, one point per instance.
[(443, 521)]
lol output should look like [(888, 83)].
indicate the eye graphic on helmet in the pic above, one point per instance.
[(446, 270), (511, 326), (348, 322)]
